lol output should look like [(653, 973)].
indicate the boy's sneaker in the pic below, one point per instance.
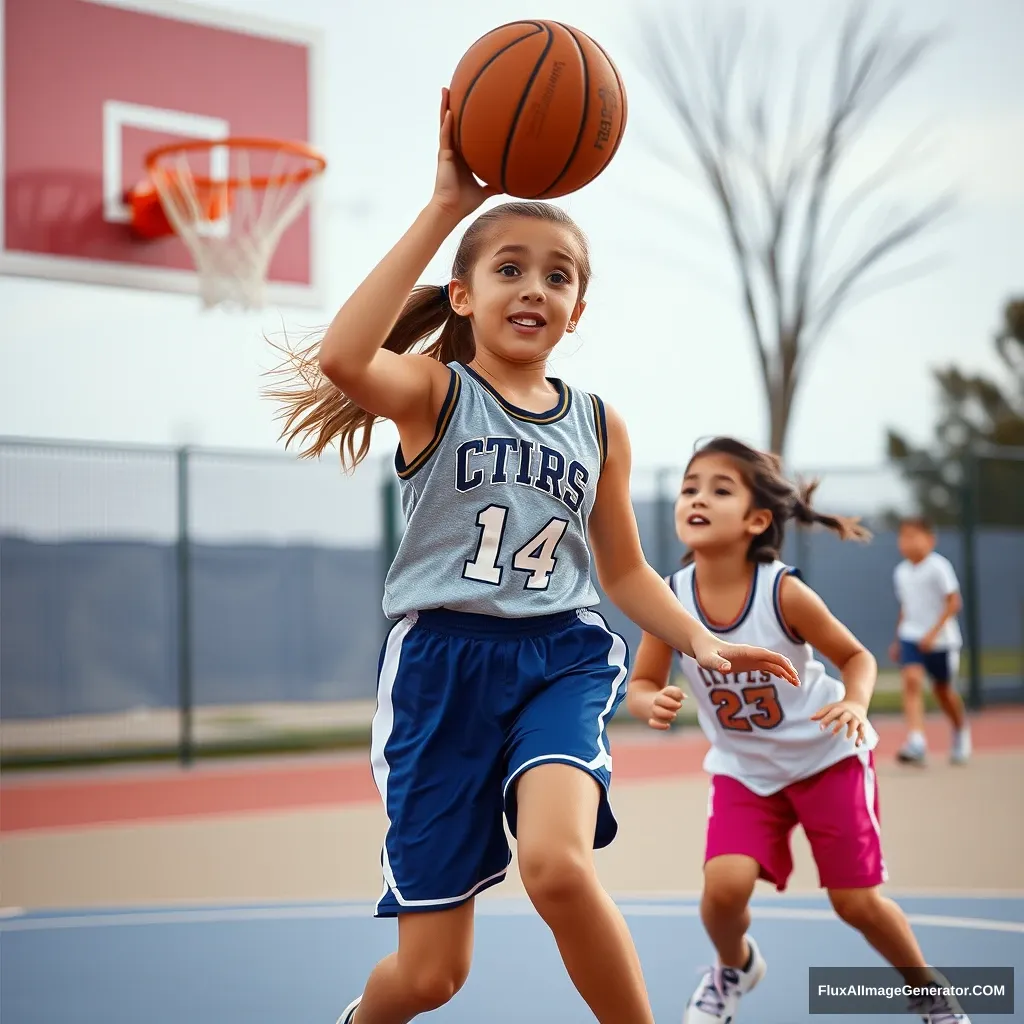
[(913, 750), (718, 994), (350, 1011), (961, 752)]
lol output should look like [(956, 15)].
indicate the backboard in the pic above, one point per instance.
[(90, 86)]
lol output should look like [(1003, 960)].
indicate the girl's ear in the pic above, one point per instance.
[(758, 521), (458, 295)]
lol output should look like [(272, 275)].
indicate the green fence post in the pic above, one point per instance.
[(184, 563), (969, 526)]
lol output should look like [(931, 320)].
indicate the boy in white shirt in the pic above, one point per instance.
[(928, 639)]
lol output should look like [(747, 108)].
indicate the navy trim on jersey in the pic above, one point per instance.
[(553, 415), (601, 426), (777, 604), (738, 621), (444, 417)]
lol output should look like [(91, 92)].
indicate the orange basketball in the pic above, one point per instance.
[(538, 109)]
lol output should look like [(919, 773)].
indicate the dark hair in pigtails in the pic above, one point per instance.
[(847, 528), (771, 491), (315, 408)]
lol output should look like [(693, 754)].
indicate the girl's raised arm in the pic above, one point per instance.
[(352, 356)]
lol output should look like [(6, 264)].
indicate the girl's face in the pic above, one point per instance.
[(714, 508), (523, 290)]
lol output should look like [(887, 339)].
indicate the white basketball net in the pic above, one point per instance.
[(230, 225)]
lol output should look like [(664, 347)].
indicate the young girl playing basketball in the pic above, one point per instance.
[(780, 756), (497, 680)]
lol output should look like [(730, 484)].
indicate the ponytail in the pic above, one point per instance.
[(316, 412), (847, 527)]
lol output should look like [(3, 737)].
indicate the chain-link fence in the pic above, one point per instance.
[(159, 601), (156, 601)]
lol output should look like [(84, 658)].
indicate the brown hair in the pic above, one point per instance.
[(770, 490), (922, 523), (315, 408)]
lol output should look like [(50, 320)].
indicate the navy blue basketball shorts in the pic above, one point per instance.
[(466, 704), (941, 666)]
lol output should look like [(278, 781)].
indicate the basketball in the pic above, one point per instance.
[(538, 109)]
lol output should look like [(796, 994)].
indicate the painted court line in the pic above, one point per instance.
[(495, 909)]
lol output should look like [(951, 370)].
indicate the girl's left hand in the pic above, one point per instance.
[(844, 713), (715, 654)]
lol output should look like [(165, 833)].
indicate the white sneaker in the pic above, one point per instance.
[(913, 750), (938, 1010), (718, 994), (350, 1011), (961, 752)]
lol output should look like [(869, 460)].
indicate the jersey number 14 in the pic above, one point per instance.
[(536, 557)]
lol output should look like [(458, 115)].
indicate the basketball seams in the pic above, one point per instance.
[(538, 27), (522, 103), (583, 115), (517, 163)]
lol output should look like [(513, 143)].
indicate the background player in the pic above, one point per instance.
[(780, 755), (928, 639), (497, 680)]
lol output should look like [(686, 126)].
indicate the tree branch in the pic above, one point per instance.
[(904, 231), (772, 181)]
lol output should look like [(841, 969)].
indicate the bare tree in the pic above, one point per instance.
[(774, 180)]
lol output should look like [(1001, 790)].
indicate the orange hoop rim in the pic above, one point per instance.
[(299, 149)]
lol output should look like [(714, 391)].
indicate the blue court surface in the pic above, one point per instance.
[(300, 964)]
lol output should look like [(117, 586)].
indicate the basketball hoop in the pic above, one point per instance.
[(230, 201)]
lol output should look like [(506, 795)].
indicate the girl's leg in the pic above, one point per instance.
[(729, 881), (557, 816), (885, 926), (724, 907), (430, 966)]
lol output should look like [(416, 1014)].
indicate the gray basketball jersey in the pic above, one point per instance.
[(497, 505)]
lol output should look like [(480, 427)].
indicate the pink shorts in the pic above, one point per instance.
[(838, 809)]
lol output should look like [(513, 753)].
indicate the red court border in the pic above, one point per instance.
[(38, 802)]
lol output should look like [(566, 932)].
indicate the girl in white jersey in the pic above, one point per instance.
[(497, 679), (780, 755)]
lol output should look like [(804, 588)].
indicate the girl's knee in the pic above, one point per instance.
[(434, 955), (729, 883), (555, 876), (857, 907), (432, 983)]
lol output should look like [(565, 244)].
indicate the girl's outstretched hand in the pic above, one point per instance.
[(456, 191), (844, 714), (715, 654)]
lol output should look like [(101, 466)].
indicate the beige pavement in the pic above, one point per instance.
[(944, 828)]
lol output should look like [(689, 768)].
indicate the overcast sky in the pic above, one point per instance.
[(663, 339)]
